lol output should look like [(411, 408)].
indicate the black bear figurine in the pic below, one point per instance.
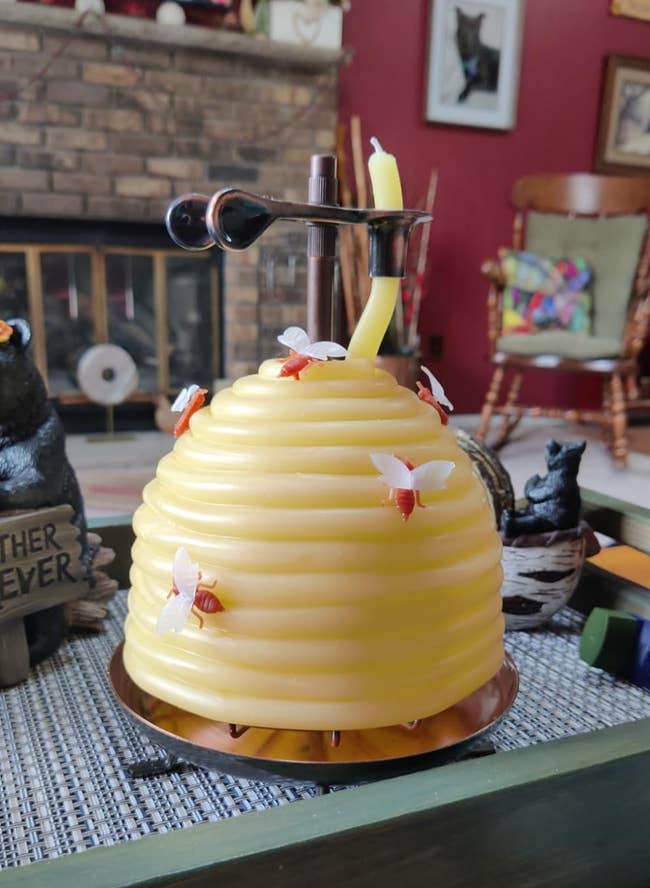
[(553, 501), (34, 469)]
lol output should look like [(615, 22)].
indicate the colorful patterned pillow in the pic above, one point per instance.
[(545, 294)]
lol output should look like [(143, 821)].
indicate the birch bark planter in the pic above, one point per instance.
[(540, 574)]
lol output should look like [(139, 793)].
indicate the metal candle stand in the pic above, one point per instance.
[(233, 220)]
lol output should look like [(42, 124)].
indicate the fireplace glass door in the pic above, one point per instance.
[(192, 323), (13, 286), (160, 305), (68, 315), (131, 312)]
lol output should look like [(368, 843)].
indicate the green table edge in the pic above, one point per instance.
[(197, 855)]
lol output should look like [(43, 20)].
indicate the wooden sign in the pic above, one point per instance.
[(40, 567)]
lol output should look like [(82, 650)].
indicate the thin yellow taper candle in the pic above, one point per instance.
[(374, 321)]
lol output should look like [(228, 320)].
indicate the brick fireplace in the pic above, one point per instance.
[(105, 120)]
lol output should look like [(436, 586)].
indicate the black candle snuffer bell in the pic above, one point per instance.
[(234, 219)]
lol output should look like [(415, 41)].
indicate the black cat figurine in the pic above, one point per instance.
[(480, 62), (553, 501)]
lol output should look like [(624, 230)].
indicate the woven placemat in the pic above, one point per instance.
[(63, 787)]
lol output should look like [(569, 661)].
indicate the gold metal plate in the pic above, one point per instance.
[(280, 755)]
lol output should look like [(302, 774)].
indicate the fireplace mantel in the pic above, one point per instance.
[(142, 30)]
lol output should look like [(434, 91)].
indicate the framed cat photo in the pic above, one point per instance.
[(473, 62)]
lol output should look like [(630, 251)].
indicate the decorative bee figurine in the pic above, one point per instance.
[(435, 396), (6, 331), (304, 352), (406, 482), (189, 400), (187, 596)]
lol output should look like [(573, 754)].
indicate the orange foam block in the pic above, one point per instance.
[(626, 562)]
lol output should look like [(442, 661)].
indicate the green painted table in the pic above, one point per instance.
[(562, 813)]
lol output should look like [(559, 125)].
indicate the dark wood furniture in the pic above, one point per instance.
[(577, 195)]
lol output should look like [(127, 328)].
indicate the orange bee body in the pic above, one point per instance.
[(197, 401), (6, 331), (204, 600), (207, 601), (295, 364), (425, 395), (405, 500)]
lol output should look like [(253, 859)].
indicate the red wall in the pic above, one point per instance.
[(565, 45)]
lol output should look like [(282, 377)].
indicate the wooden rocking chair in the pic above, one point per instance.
[(603, 219)]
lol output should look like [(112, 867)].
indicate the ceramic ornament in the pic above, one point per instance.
[(545, 544), (107, 374), (96, 6), (171, 14)]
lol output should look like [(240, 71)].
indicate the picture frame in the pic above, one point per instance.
[(623, 141), (639, 9), (215, 5), (473, 57)]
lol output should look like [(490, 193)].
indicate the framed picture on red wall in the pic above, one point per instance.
[(473, 60), (623, 144), (632, 8)]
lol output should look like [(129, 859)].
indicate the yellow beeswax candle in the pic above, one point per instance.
[(338, 614), (374, 321), (384, 176)]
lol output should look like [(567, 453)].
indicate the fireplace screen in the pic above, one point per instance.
[(161, 305)]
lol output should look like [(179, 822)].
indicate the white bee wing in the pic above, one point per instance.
[(294, 338), (186, 574), (184, 398), (436, 389), (431, 475), (324, 350), (393, 471), (174, 615)]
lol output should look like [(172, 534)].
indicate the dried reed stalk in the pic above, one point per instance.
[(346, 236), (360, 231), (421, 266)]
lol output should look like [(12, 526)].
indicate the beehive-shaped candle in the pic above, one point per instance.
[(337, 612)]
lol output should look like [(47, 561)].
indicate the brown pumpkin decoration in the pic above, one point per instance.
[(490, 470)]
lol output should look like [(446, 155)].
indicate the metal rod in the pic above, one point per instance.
[(321, 249), (73, 293), (129, 298)]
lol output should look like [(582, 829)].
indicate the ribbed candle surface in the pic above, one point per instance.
[(338, 615)]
